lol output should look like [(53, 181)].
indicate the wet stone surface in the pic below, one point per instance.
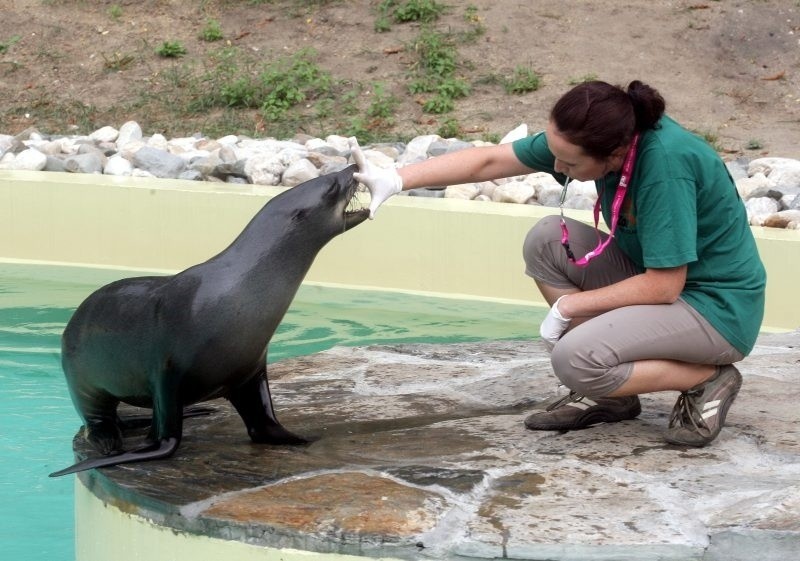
[(419, 451)]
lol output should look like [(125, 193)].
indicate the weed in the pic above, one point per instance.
[(449, 129), (212, 31), (115, 12), (289, 82), (710, 137), (582, 79), (117, 62), (524, 79), (754, 144), (424, 11), (439, 104), (8, 43), (171, 49), (383, 105)]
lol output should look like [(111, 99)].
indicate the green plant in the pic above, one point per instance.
[(171, 49), (754, 144), (212, 31), (523, 79), (424, 11), (8, 43), (582, 79), (291, 81), (439, 104), (115, 11), (449, 129)]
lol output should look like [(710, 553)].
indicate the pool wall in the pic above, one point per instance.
[(435, 246)]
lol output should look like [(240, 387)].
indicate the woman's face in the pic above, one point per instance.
[(573, 162)]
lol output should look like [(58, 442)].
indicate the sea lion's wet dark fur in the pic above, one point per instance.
[(165, 342)]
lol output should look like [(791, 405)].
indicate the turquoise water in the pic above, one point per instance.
[(37, 420)]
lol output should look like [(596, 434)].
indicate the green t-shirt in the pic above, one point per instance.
[(682, 208)]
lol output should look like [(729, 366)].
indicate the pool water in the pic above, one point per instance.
[(37, 420)]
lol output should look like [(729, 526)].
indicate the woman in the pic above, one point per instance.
[(669, 301)]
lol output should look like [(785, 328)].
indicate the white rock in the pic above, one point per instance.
[(229, 140), (29, 159), (379, 159), (487, 189), (298, 172), (515, 134), (465, 191), (339, 143), (158, 141), (117, 165), (129, 132), (417, 149), (759, 208), (747, 185), (104, 134), (783, 173), (519, 192), (265, 169)]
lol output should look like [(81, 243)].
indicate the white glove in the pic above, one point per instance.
[(382, 183), (553, 326)]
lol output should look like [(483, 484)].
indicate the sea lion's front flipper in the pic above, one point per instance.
[(157, 451), (253, 402)]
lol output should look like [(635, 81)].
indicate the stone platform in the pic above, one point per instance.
[(419, 452)]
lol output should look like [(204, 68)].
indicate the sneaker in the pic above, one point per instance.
[(700, 412), (574, 411)]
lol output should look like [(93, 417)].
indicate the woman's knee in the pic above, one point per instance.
[(578, 369), (536, 247)]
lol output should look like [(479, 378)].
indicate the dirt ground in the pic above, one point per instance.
[(729, 69)]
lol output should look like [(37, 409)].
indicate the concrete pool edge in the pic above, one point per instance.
[(168, 225)]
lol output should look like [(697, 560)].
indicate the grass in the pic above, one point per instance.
[(232, 89)]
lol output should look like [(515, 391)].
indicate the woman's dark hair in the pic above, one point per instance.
[(600, 117)]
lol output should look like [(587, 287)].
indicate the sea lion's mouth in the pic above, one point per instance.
[(355, 211)]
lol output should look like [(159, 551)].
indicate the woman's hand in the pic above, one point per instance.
[(382, 183), (553, 326)]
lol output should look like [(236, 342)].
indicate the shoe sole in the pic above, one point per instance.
[(722, 415), (585, 421)]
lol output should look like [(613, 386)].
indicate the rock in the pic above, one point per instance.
[(465, 191), (191, 175), (783, 173), (264, 169), (417, 149), (29, 159), (759, 208), (298, 172), (55, 163), (90, 162), (130, 131), (747, 185), (159, 163), (789, 219), (104, 134), (519, 192), (117, 165), (515, 134)]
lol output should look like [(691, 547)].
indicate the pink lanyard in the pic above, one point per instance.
[(624, 178)]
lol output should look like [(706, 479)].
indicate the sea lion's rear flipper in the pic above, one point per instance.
[(157, 451), (253, 402)]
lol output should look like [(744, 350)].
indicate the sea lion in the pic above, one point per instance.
[(166, 342)]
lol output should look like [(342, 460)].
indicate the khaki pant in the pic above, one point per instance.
[(596, 357)]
